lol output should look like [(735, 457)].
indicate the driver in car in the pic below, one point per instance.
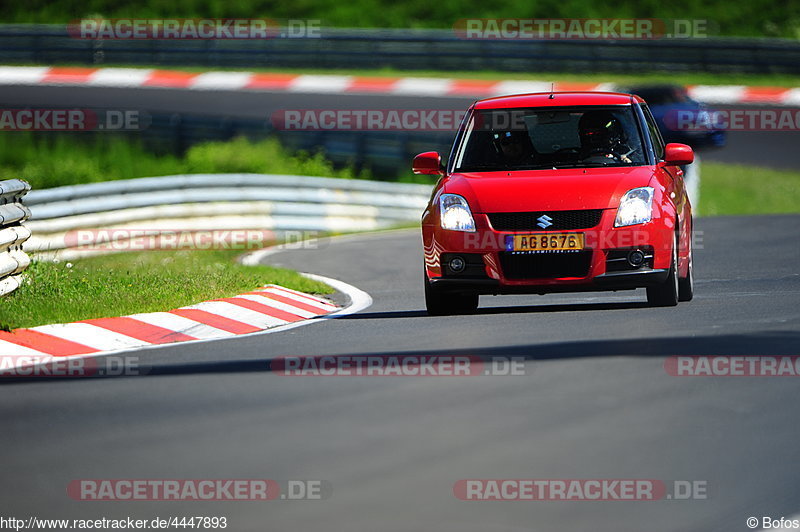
[(515, 147), (602, 136)]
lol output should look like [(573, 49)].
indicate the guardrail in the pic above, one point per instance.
[(13, 260), (407, 49), (74, 221)]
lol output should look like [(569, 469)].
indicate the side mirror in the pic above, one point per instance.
[(428, 163), (678, 154)]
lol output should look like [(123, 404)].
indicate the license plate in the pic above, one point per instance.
[(546, 242)]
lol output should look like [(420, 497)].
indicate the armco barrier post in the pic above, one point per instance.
[(13, 260)]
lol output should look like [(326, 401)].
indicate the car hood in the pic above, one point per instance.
[(540, 190)]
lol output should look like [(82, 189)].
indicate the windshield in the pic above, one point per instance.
[(530, 139)]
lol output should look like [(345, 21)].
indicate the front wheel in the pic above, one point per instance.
[(441, 303), (666, 293)]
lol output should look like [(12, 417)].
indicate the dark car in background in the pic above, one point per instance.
[(679, 117)]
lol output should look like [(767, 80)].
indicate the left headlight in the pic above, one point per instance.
[(636, 207), (455, 214)]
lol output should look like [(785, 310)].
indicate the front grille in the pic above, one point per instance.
[(559, 220), (545, 265)]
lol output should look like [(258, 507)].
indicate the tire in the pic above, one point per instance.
[(441, 303), (666, 294), (686, 284)]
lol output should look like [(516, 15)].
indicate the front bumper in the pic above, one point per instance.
[(495, 269)]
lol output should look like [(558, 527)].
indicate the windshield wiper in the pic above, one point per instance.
[(587, 165), (532, 167), (496, 168), (477, 167)]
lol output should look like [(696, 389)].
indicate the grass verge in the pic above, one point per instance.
[(55, 160), (129, 283), (729, 189)]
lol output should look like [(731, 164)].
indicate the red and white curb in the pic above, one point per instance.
[(333, 84), (269, 309)]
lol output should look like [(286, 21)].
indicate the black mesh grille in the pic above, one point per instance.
[(545, 265), (559, 220)]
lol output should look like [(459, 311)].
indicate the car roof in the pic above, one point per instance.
[(558, 99)]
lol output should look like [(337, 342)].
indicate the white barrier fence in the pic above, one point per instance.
[(13, 260), (80, 220)]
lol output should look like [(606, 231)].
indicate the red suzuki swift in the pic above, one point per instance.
[(557, 192)]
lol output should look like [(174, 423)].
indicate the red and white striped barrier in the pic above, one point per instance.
[(337, 84), (268, 307)]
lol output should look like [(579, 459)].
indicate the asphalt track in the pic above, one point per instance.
[(768, 149), (595, 402)]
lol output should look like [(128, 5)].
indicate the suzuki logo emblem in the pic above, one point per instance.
[(544, 221)]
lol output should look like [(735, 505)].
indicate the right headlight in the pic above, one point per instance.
[(636, 207), (454, 213)]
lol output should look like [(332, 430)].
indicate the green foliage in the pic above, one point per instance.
[(241, 155), (55, 160), (757, 18), (738, 189)]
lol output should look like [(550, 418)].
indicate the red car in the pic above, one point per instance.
[(557, 192)]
